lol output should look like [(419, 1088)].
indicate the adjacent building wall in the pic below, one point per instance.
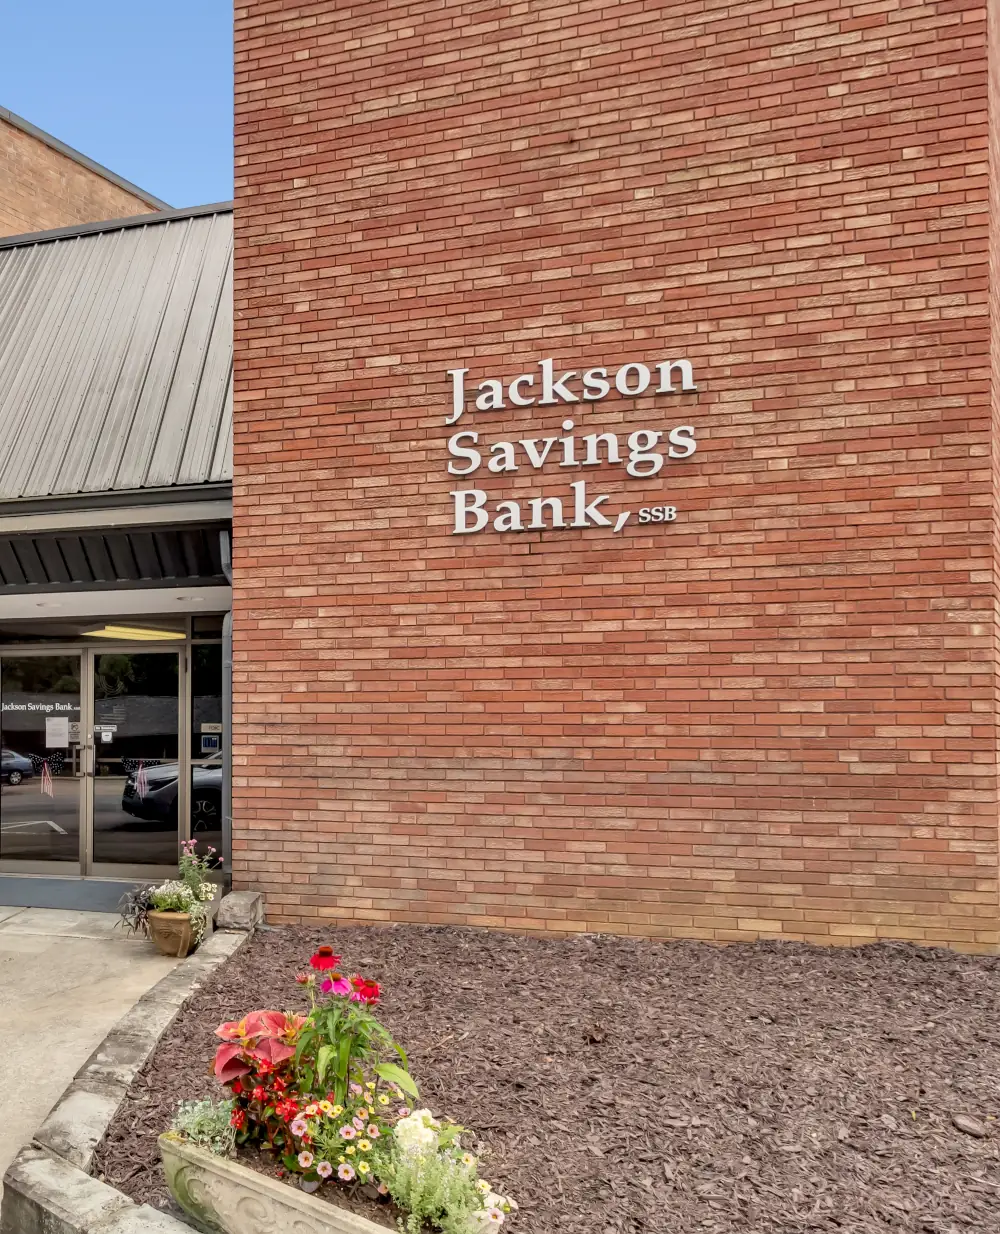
[(41, 187), (774, 716)]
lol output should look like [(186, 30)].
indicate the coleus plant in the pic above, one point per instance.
[(256, 1064)]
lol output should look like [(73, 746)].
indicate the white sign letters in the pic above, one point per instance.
[(641, 453)]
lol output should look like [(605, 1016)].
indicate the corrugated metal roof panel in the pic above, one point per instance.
[(116, 357)]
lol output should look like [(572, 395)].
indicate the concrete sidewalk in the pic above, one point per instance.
[(66, 978)]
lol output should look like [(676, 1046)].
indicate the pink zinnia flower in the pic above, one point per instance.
[(347, 1133), (299, 1127), (373, 1132), (324, 1169), (356, 1088), (359, 1123), (305, 1160), (404, 1111), (346, 1172)]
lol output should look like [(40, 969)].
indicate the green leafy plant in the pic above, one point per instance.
[(207, 1124), (343, 1041)]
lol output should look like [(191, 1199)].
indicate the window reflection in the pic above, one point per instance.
[(136, 758), (40, 760)]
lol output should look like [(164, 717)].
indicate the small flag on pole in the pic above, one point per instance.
[(141, 782), (47, 779)]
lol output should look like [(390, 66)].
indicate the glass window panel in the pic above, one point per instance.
[(209, 626), (41, 771), (136, 758)]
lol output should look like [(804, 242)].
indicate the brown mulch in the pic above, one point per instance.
[(621, 1086)]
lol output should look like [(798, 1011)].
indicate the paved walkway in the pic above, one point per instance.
[(66, 978)]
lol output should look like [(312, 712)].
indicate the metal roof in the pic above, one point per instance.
[(116, 355), (54, 143)]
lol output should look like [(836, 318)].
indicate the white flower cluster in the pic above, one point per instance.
[(417, 1133)]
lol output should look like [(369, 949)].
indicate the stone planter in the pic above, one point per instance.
[(222, 1197), (172, 933)]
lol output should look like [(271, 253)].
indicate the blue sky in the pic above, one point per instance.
[(144, 87)]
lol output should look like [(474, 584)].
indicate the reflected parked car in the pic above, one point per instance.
[(159, 802), (15, 767)]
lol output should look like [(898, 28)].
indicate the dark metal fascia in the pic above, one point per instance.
[(123, 499), (133, 220), (121, 584), (105, 173)]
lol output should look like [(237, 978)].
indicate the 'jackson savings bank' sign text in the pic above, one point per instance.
[(641, 453)]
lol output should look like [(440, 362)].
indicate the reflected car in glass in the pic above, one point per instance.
[(159, 801), (15, 767)]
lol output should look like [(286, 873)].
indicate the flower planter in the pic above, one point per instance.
[(223, 1197), (172, 933)]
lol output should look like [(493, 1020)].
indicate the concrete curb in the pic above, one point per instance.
[(48, 1188)]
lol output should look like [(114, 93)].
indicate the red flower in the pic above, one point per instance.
[(238, 1119), (365, 991), (258, 1093), (237, 1087), (324, 959)]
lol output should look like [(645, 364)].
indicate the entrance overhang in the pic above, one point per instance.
[(124, 602)]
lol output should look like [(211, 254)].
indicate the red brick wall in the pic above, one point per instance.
[(775, 716), (41, 188)]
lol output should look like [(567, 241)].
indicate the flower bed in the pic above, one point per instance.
[(623, 1085), (325, 1097)]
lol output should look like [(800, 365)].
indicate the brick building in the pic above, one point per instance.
[(45, 184), (774, 714)]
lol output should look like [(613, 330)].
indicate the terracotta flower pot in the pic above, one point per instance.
[(172, 933)]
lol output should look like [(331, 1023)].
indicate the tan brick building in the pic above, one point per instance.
[(775, 714), (45, 184)]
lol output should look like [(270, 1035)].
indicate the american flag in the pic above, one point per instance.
[(47, 779), (141, 782)]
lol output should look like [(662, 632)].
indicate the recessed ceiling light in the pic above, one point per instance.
[(136, 634)]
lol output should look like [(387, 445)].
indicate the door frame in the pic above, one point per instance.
[(85, 866), (113, 869)]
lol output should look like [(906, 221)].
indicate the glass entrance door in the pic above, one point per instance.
[(41, 764), (107, 762), (138, 795)]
